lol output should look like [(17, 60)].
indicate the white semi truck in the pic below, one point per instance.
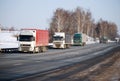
[(33, 40), (61, 40)]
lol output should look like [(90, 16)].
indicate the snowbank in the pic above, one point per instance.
[(91, 40), (8, 40)]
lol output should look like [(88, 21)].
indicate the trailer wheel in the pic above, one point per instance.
[(44, 49), (64, 46), (39, 50), (68, 46), (83, 44)]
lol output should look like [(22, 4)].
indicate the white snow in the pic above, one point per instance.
[(91, 40), (8, 40)]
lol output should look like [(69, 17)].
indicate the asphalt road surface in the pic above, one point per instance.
[(19, 65)]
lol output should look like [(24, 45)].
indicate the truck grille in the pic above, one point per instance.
[(57, 44), (25, 48)]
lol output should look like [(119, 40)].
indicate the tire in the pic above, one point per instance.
[(64, 46), (43, 48), (36, 50), (33, 51)]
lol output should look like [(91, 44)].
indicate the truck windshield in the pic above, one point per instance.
[(57, 38), (77, 37), (26, 38)]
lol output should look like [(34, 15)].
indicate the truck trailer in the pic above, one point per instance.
[(79, 39), (33, 40), (8, 41), (61, 40)]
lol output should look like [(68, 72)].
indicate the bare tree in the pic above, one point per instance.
[(78, 18), (106, 29), (80, 21)]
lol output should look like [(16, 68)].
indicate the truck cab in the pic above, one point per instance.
[(33, 40), (61, 40), (79, 39), (26, 40)]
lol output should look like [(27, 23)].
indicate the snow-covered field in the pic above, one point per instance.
[(8, 40)]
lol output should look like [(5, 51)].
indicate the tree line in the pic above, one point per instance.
[(80, 21), (3, 28)]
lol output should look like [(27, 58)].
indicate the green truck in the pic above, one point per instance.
[(79, 39)]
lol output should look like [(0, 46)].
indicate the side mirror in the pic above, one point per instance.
[(17, 38), (33, 38)]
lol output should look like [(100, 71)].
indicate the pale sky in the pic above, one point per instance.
[(38, 13)]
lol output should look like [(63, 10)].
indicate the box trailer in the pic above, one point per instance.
[(61, 40), (33, 40)]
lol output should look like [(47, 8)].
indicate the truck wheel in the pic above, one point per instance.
[(33, 51), (36, 50), (83, 44), (44, 49), (68, 46), (39, 50), (64, 46)]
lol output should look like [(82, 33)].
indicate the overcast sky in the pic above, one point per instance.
[(38, 13)]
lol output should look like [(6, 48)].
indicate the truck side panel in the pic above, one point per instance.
[(68, 39), (42, 38)]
